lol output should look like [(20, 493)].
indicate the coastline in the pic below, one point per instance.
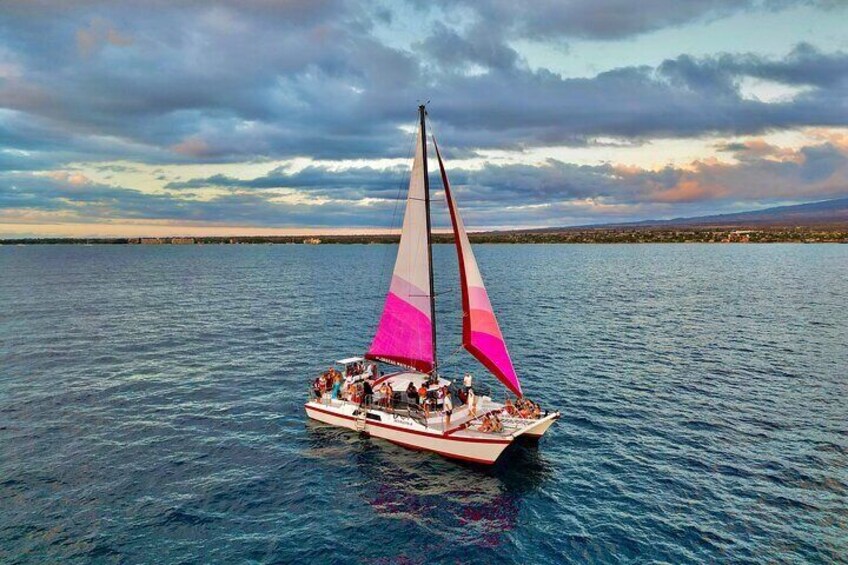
[(838, 234)]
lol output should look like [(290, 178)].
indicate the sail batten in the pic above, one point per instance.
[(481, 334), (405, 333)]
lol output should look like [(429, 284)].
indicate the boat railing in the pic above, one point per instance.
[(400, 404)]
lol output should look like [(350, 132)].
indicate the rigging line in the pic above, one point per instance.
[(450, 359)]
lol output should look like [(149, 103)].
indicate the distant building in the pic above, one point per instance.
[(182, 241), (312, 241)]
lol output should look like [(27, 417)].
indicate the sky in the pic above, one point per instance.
[(298, 116)]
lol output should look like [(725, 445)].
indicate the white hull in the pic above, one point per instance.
[(411, 435), (539, 429)]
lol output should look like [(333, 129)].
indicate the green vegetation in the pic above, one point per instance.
[(581, 235)]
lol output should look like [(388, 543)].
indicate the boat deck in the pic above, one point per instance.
[(462, 423)]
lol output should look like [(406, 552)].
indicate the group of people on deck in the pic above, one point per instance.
[(357, 386), (491, 423), (328, 381), (523, 408), (428, 399), (354, 385)]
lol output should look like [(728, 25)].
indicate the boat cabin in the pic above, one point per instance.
[(356, 367)]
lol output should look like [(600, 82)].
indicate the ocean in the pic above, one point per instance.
[(151, 407)]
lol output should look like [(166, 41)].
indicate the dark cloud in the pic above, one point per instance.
[(198, 82), (478, 46), (608, 19), (72, 197)]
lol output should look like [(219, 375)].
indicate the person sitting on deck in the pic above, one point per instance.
[(486, 425), (536, 412), (497, 425), (316, 388), (509, 408), (411, 394)]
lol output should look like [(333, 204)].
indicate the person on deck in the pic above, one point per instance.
[(486, 425), (411, 394), (322, 384), (368, 392), (509, 408), (348, 384), (497, 425), (467, 380), (337, 385), (448, 407), (425, 401), (472, 403), (388, 396)]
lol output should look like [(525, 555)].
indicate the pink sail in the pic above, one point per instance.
[(405, 334), (481, 335)]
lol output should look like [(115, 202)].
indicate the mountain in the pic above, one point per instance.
[(825, 214)]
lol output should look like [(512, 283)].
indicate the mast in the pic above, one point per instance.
[(422, 112)]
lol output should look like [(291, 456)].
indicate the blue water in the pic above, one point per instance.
[(151, 408)]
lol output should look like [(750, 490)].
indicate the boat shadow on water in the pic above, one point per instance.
[(477, 504)]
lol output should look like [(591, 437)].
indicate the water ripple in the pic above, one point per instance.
[(151, 408)]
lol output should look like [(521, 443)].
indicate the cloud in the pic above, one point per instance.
[(763, 174), (99, 33), (220, 83), (608, 19), (197, 83)]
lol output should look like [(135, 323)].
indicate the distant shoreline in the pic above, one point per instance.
[(575, 235)]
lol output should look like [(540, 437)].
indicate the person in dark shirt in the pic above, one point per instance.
[(412, 394), (368, 391)]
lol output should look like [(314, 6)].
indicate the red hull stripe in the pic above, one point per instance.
[(416, 432)]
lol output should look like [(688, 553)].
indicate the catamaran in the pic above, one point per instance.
[(415, 406)]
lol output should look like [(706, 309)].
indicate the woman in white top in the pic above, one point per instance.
[(466, 381), (448, 407), (472, 403)]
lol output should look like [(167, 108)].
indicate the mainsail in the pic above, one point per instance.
[(405, 333), (481, 335)]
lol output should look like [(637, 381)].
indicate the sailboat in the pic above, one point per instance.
[(415, 406)]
